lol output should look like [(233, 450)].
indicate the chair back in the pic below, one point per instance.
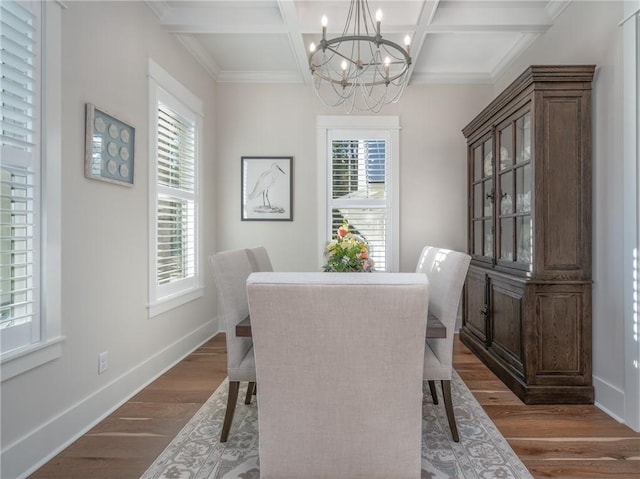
[(446, 270), (259, 259), (231, 270), (339, 360)]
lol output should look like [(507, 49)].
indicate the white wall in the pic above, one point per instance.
[(276, 120), (589, 33), (105, 50)]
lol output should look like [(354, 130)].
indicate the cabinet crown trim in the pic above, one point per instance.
[(538, 75)]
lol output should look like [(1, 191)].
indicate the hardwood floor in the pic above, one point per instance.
[(557, 441)]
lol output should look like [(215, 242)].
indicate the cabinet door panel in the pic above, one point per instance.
[(562, 333), (506, 322), (475, 321)]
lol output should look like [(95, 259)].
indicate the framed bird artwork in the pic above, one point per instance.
[(267, 188)]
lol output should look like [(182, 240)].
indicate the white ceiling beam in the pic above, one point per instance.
[(427, 15), (556, 7), (491, 16), (484, 28), (240, 14), (429, 11), (289, 15), (209, 28), (159, 7), (224, 17)]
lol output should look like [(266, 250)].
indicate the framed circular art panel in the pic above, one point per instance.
[(109, 148)]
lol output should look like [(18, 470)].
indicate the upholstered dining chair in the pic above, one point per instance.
[(446, 270), (231, 270), (339, 363), (259, 259)]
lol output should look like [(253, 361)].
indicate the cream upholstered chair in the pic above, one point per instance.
[(446, 270), (259, 259), (339, 363), (231, 270)]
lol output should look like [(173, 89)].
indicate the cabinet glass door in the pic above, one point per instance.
[(514, 188), (482, 200), (524, 182)]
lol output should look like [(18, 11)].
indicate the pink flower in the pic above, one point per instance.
[(342, 232)]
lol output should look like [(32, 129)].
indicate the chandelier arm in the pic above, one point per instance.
[(341, 55)]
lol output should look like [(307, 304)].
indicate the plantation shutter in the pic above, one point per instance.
[(358, 184), (176, 196), (19, 175)]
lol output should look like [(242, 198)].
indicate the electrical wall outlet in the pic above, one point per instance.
[(103, 362)]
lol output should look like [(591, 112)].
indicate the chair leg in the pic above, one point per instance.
[(234, 386), (448, 405), (434, 394), (250, 389)]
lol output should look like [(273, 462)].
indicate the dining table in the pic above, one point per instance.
[(435, 328)]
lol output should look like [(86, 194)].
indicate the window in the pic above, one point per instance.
[(29, 185), (19, 246), (358, 170), (175, 126)]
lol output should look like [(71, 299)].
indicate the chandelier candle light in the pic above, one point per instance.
[(359, 69)]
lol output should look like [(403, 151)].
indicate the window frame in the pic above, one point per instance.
[(373, 127), (49, 347), (631, 209), (163, 87)]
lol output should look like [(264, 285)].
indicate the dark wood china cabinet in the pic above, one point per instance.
[(527, 300)]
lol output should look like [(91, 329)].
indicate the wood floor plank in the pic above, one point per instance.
[(577, 448), (92, 468), (555, 421), (584, 469), (497, 398)]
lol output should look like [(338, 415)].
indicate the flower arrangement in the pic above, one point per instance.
[(347, 252)]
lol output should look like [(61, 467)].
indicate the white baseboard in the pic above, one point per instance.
[(32, 451), (609, 399)]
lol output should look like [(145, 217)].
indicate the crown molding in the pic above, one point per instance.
[(200, 54)]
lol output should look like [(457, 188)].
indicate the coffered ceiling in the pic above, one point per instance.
[(459, 41)]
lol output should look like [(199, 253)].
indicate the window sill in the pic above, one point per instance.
[(171, 302), (20, 361)]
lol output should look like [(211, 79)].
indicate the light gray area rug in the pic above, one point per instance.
[(196, 452)]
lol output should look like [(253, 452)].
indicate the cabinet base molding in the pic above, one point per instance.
[(528, 393)]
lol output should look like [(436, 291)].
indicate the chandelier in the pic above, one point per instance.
[(359, 69)]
